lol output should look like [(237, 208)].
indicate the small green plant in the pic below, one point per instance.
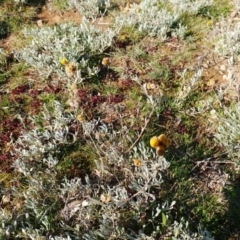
[(4, 29), (60, 4)]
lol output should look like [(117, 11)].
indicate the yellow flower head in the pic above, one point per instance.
[(123, 37), (137, 162), (105, 198), (160, 143), (164, 140), (70, 69), (80, 118), (160, 150), (151, 86), (154, 142), (64, 61), (105, 61)]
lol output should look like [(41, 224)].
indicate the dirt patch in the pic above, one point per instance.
[(10, 43), (51, 17)]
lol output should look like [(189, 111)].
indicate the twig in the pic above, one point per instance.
[(208, 160), (143, 129), (225, 162)]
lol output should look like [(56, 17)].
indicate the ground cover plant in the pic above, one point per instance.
[(119, 119)]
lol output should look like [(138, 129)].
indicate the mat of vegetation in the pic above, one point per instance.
[(119, 119)]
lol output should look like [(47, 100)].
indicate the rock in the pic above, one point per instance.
[(223, 67), (39, 23)]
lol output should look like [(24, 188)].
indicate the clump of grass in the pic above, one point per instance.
[(61, 4), (14, 16)]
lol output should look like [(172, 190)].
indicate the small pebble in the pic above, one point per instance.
[(223, 68)]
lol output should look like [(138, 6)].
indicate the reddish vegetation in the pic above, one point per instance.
[(52, 89), (6, 162), (35, 92), (117, 98), (35, 106), (20, 89), (11, 130), (90, 99)]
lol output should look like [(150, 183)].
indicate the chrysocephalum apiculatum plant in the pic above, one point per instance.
[(159, 18), (81, 45), (226, 131), (147, 17), (227, 40), (120, 196), (91, 9)]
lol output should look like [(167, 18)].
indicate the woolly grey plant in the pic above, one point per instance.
[(3, 60), (61, 238), (119, 192), (190, 6), (180, 231), (91, 9), (39, 145), (31, 217), (82, 46), (188, 84), (236, 4), (7, 223), (36, 159), (227, 40), (158, 21), (227, 131), (38, 207), (108, 202), (147, 17)]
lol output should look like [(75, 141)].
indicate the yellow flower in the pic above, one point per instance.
[(160, 143), (137, 162), (154, 142), (123, 37), (106, 198), (164, 140), (105, 61), (73, 86), (151, 86), (211, 82), (70, 69), (160, 150), (64, 61), (80, 118)]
